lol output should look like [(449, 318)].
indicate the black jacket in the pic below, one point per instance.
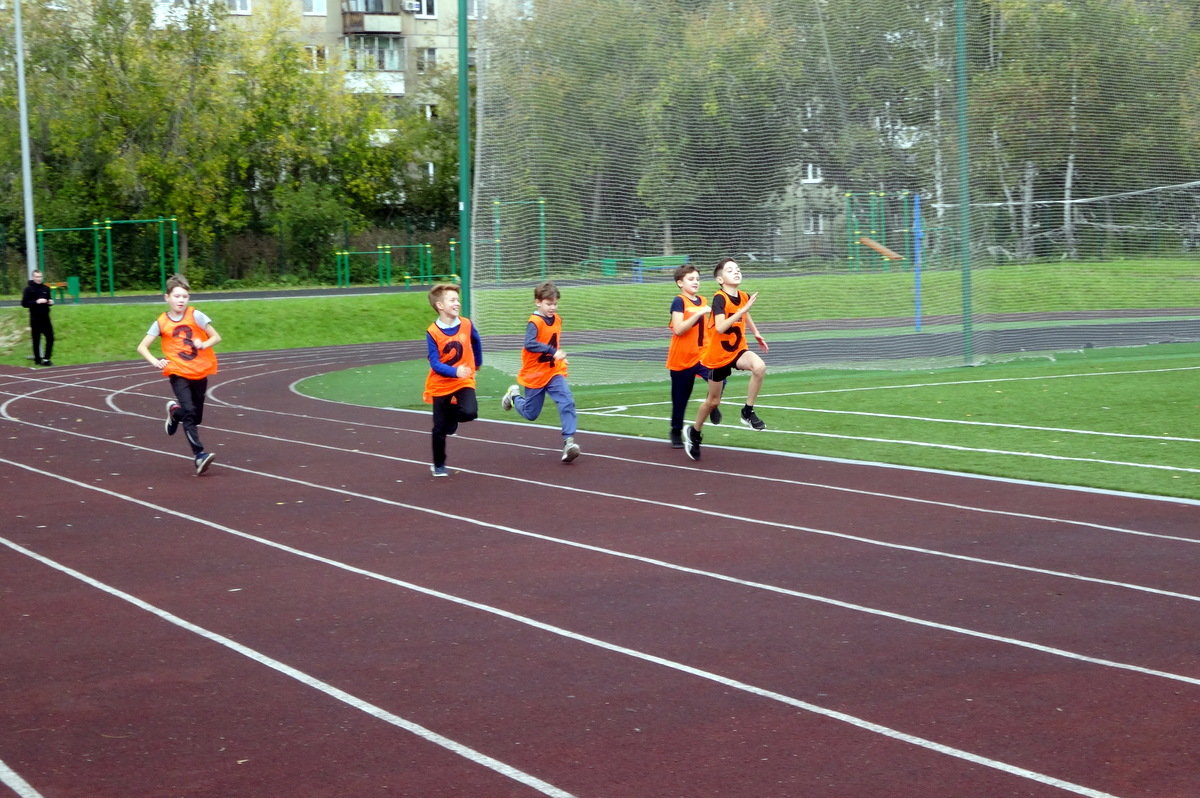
[(34, 292)]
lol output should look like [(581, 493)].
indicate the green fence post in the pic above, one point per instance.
[(108, 240)]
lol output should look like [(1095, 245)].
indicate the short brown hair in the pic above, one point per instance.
[(438, 291), (547, 290), (721, 265), (684, 271), (177, 280)]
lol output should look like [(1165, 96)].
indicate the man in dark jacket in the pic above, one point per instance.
[(37, 299)]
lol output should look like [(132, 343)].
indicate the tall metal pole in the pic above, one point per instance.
[(964, 179), (464, 158), (31, 250)]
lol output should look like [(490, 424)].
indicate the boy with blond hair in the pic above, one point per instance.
[(187, 338), (455, 354), (544, 369)]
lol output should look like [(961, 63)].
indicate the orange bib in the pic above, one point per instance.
[(453, 350), (179, 347)]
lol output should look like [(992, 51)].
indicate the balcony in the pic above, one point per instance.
[(372, 16), (376, 82)]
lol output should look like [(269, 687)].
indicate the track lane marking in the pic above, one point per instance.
[(836, 715)]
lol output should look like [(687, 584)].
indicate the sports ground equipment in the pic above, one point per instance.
[(1026, 162)]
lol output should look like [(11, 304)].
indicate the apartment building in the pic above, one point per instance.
[(385, 46)]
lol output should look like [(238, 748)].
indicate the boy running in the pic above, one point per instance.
[(544, 369), (688, 314), (726, 350), (187, 338), (455, 354)]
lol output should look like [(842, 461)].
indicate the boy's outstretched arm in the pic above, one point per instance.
[(144, 350), (214, 338), (762, 342)]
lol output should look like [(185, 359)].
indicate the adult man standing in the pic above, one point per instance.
[(37, 299)]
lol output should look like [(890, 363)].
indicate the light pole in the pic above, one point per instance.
[(464, 157), (31, 258)]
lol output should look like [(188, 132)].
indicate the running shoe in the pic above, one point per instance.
[(439, 471), (715, 415), (751, 420), (506, 401), (676, 439), (171, 424), (691, 439), (203, 461), (571, 450)]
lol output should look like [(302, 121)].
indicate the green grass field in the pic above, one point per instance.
[(1121, 418), (1117, 419)]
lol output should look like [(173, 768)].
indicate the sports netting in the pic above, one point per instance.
[(907, 184)]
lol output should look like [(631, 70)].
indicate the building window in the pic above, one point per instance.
[(475, 9), (314, 57), (314, 7), (239, 6), (814, 222), (426, 59), (367, 53), (811, 174), (470, 58), (431, 111), (428, 8)]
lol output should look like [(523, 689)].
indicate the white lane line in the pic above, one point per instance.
[(948, 446), (10, 779), (852, 720), (932, 420), (300, 676), (720, 577), (654, 502)]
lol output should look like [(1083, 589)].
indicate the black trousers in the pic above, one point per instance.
[(190, 395), (40, 327), (448, 412)]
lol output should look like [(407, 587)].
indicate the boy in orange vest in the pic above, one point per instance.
[(455, 354), (689, 312), (544, 369), (188, 360), (726, 349)]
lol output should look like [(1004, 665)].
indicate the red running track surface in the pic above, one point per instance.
[(319, 616)]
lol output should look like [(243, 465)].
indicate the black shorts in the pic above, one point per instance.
[(721, 373)]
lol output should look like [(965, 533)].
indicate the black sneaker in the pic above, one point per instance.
[(715, 415), (692, 438), (676, 439), (47, 363), (203, 461), (751, 420), (171, 424)]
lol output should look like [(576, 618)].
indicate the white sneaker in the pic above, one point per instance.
[(571, 450), (506, 401)]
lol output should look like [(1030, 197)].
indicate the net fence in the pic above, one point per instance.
[(906, 184)]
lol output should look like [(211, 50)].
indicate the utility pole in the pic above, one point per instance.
[(31, 253)]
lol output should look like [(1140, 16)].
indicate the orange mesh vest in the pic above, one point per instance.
[(722, 348), (453, 350), (538, 368), (684, 351), (179, 347)]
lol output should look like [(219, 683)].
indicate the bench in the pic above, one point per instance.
[(60, 290), (657, 263)]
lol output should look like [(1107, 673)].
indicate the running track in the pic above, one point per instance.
[(317, 616)]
